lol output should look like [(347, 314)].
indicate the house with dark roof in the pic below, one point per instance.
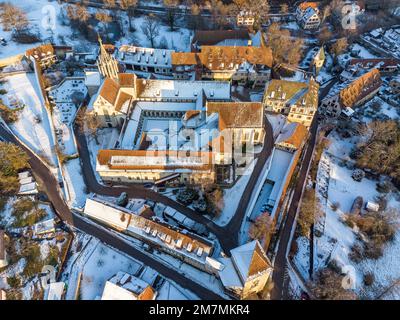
[(246, 272), (240, 37)]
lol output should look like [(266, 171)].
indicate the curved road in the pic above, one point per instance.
[(62, 210), (227, 235)]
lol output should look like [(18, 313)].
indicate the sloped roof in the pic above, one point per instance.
[(225, 57), (283, 89), (124, 286), (215, 55), (40, 51), (149, 159), (109, 90), (122, 98), (237, 114), (360, 88), (127, 79), (294, 134), (212, 37), (249, 260), (375, 62), (305, 5), (184, 58)]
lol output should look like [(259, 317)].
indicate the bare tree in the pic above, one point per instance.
[(103, 16), (284, 8), (151, 28), (261, 227), (13, 18), (129, 6), (339, 46), (171, 16), (328, 286), (285, 49), (194, 20)]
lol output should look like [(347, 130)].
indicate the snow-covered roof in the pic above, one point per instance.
[(92, 78), (145, 56), (116, 217), (29, 188), (181, 89), (44, 226), (23, 174), (249, 260), (228, 275), (124, 286)]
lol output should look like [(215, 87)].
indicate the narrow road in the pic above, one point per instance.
[(278, 275), (138, 191), (64, 213)]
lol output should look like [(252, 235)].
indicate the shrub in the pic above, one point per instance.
[(373, 250), (8, 115), (187, 196), (368, 279), (14, 282), (328, 286), (356, 253)]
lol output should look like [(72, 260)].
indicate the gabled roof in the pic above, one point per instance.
[(122, 98), (249, 260), (127, 79), (375, 62), (360, 88), (237, 114), (283, 89), (294, 134), (109, 90)]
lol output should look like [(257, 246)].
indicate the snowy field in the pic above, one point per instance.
[(33, 126), (338, 238)]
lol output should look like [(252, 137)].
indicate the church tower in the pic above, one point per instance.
[(107, 64)]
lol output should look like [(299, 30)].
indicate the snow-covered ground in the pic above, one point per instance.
[(44, 19), (33, 126), (75, 184), (104, 263), (232, 197), (337, 239), (178, 39)]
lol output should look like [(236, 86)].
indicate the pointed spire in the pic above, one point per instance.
[(107, 64)]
